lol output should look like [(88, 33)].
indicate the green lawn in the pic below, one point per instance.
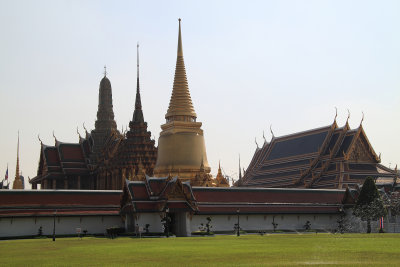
[(253, 250)]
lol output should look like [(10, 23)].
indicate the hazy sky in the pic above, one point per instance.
[(250, 64)]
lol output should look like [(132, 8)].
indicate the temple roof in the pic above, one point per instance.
[(181, 102), (215, 200), (313, 159), (20, 203), (63, 159)]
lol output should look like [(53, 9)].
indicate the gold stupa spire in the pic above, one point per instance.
[(17, 181), (17, 167), (180, 105)]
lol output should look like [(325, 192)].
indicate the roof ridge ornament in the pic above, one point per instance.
[(84, 127), (40, 140), (362, 119), (255, 139), (270, 128), (348, 116), (265, 140), (335, 115), (55, 138)]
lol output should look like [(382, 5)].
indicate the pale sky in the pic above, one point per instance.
[(249, 64)]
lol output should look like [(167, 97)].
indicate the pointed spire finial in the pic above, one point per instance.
[(348, 115), (84, 128), (362, 119), (180, 50), (105, 70), (335, 114), (55, 138), (137, 61), (138, 113)]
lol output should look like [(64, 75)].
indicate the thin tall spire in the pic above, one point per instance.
[(138, 113), (180, 105), (17, 181), (17, 167), (240, 170)]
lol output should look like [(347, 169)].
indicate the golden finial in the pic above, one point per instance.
[(335, 114), (55, 138), (362, 119), (348, 115), (84, 127), (180, 50), (137, 59), (255, 140)]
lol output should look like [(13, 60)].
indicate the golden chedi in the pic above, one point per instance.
[(181, 146)]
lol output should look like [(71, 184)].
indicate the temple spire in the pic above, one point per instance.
[(180, 50), (180, 105), (240, 170), (138, 113), (17, 181), (105, 114), (17, 167)]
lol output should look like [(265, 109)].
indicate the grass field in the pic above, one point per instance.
[(253, 250)]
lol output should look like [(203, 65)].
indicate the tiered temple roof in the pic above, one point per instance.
[(65, 166), (157, 194), (326, 157)]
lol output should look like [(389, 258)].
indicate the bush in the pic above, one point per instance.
[(115, 231)]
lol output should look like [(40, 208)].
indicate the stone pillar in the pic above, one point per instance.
[(79, 182)]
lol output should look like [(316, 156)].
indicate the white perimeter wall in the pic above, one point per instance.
[(24, 226), (264, 222), (154, 219)]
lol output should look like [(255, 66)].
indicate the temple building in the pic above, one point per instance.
[(71, 165), (327, 157), (181, 146), (65, 166), (104, 158), (131, 155)]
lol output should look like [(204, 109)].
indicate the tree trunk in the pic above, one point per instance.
[(368, 226)]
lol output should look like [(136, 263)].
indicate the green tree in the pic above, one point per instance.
[(369, 206)]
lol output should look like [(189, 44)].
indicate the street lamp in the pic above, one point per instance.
[(54, 226), (238, 225)]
